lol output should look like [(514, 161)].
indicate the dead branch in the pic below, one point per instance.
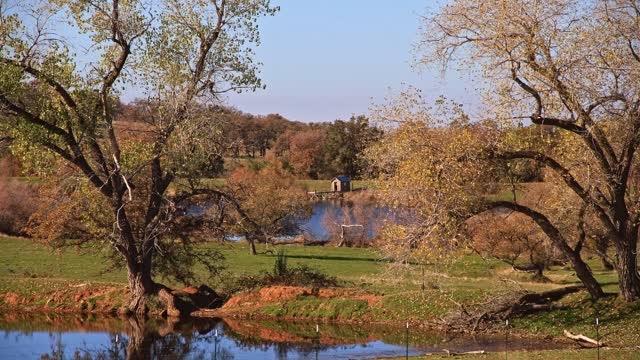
[(479, 317), (475, 352), (581, 339)]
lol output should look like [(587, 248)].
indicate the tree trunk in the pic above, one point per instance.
[(627, 268), (252, 247), (341, 243), (573, 255), (141, 286), (539, 273), (602, 246), (584, 274), (606, 264)]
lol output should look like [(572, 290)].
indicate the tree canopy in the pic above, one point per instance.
[(180, 54), (571, 66)]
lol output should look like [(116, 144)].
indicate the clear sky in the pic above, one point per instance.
[(329, 59)]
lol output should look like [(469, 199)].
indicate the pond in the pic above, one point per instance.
[(328, 214), (54, 336), (326, 218)]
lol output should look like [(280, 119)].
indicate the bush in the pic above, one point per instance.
[(18, 201), (280, 268), (283, 274)]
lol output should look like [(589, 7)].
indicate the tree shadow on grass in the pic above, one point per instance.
[(331, 257), (342, 258)]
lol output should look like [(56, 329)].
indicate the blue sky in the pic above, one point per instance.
[(329, 59)]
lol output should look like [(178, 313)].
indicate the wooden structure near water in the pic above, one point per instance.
[(324, 195), (340, 184)]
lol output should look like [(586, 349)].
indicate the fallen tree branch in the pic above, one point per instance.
[(583, 339), (475, 352), (481, 316)]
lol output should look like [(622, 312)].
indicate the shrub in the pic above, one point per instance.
[(283, 274), (280, 265), (17, 204)]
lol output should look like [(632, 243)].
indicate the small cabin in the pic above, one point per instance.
[(340, 184)]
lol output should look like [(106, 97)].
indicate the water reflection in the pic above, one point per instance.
[(326, 216), (50, 336)]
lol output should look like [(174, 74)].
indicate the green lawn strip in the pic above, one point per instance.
[(619, 321), (348, 264), (582, 354), (29, 259)]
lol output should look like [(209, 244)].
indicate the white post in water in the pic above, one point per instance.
[(506, 340), (407, 341), (215, 344), (317, 339)]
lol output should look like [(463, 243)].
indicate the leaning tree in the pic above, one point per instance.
[(62, 65), (569, 66)]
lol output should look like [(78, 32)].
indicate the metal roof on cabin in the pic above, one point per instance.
[(342, 179)]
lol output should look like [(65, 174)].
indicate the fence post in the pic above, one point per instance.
[(506, 340), (317, 339), (598, 336), (407, 342)]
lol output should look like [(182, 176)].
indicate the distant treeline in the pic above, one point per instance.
[(307, 150)]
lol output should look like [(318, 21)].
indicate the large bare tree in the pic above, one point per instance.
[(178, 54)]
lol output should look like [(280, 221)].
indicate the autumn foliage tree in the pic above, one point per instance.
[(179, 54), (306, 152), (513, 238), (569, 65), (266, 204)]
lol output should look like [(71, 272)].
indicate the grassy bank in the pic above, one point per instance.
[(617, 354), (368, 291)]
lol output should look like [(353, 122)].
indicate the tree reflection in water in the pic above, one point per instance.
[(179, 339), (116, 350), (101, 337), (148, 339)]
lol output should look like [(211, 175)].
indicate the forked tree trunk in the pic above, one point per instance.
[(627, 268)]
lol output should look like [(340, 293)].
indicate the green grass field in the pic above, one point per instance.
[(306, 184), (584, 354), (24, 258), (27, 267)]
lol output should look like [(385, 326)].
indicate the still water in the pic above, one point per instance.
[(325, 219), (51, 336)]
